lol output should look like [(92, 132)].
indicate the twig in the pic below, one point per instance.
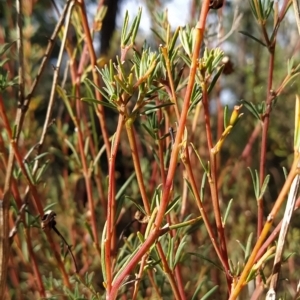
[(297, 13), (22, 108), (48, 222), (199, 33), (235, 24), (4, 204), (282, 236), (66, 15), (281, 197)]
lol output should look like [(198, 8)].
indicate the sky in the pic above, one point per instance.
[(178, 12)]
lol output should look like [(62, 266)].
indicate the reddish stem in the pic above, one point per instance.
[(266, 121), (213, 177), (111, 205), (199, 33)]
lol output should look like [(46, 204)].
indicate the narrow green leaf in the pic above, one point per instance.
[(215, 79), (252, 109), (73, 151), (92, 83), (179, 251), (29, 174), (125, 186), (62, 93), (206, 259), (264, 186), (187, 223), (253, 38), (202, 188), (149, 130), (4, 47), (255, 183), (225, 116), (104, 103), (172, 205), (140, 208), (3, 61), (136, 26), (241, 245), (199, 158), (174, 39), (41, 171), (169, 249), (209, 293), (190, 187), (152, 108), (89, 229), (124, 29), (248, 247), (102, 253), (227, 211), (131, 34), (285, 172), (198, 289), (124, 264), (41, 156), (171, 253), (49, 206)]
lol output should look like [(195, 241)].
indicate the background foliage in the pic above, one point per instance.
[(96, 146)]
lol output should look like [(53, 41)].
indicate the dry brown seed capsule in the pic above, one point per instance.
[(216, 4), (48, 220)]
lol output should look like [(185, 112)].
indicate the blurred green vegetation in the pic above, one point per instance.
[(62, 184)]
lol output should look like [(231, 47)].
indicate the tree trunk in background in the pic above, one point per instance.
[(108, 25)]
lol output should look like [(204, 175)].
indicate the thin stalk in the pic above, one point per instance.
[(173, 234), (265, 127), (4, 204), (52, 93), (96, 76), (111, 205), (137, 165), (296, 6), (283, 232), (281, 198), (269, 98), (199, 33), (4, 247), (174, 285), (178, 275), (171, 81), (156, 288), (32, 187), (139, 277), (34, 263), (58, 259), (21, 72), (21, 208), (161, 161), (47, 53), (223, 259), (272, 236), (212, 176), (87, 178), (207, 116)]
